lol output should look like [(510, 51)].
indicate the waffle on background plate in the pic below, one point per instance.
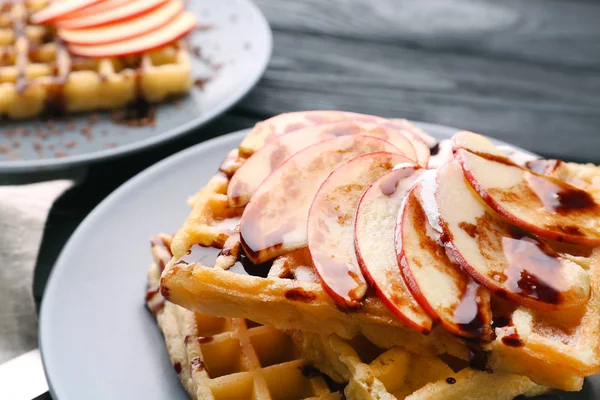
[(368, 348), (37, 72)]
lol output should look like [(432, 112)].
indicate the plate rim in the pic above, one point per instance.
[(166, 136), (61, 261), (88, 222)]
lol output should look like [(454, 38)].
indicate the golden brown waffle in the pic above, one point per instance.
[(375, 373), (230, 358), (202, 345), (37, 72), (558, 348)]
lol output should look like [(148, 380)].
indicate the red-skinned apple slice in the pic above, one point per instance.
[(374, 244), (168, 33), (95, 9), (281, 124), (543, 205), (60, 8), (124, 29), (330, 227), (497, 254), (420, 139), (254, 170), (123, 12), (274, 221), (446, 293)]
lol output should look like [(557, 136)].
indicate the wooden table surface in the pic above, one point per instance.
[(527, 72)]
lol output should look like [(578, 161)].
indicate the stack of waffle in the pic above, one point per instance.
[(235, 329), (37, 72)]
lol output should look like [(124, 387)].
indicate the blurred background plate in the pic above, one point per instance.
[(98, 341), (232, 47)]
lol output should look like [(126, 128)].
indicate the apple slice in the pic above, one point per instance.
[(274, 221), (330, 227), (500, 256), (60, 8), (95, 9), (289, 122), (540, 204), (420, 140), (173, 30), (446, 293), (374, 243), (282, 124), (125, 29), (254, 170), (123, 12)]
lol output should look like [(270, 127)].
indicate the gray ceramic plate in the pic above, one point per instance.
[(234, 52), (97, 339)]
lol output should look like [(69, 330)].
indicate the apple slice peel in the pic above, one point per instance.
[(123, 30), (168, 33), (120, 13), (274, 220), (501, 257), (254, 170), (374, 244), (59, 8), (331, 224), (542, 205), (441, 287), (267, 130)]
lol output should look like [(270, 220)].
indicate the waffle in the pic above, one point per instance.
[(201, 346), (38, 74), (375, 373), (559, 348), (230, 358)]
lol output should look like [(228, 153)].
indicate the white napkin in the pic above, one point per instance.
[(23, 213)]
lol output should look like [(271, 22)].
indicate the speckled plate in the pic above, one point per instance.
[(234, 51), (98, 341)]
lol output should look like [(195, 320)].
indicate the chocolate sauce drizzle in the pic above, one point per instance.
[(533, 269), (559, 197), (205, 255), (244, 266), (468, 314)]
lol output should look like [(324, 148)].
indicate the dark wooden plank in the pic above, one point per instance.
[(526, 72)]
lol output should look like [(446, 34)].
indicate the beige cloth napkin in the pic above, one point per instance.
[(23, 213)]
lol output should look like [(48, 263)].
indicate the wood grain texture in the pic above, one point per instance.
[(527, 72)]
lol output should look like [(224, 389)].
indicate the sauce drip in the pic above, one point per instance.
[(533, 269), (500, 322), (205, 255), (467, 314), (512, 338), (478, 358), (244, 266), (559, 197)]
